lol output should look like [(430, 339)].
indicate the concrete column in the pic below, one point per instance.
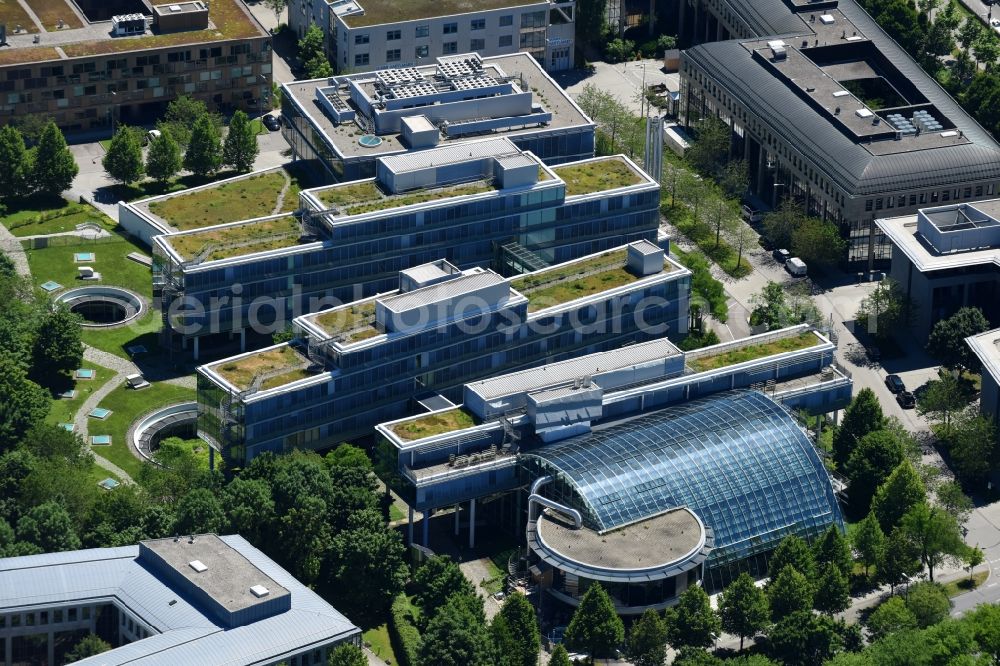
[(52, 647), (456, 518), (243, 339), (196, 349), (427, 527), (472, 523), (409, 527), (211, 458)]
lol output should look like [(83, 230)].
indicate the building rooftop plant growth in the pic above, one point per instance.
[(238, 240), (750, 352), (433, 424), (389, 11), (282, 365), (367, 196), (353, 323), (597, 176)]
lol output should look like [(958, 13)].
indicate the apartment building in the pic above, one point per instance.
[(480, 203), (829, 110), (367, 35), (100, 64), (340, 127), (356, 365), (636, 457)]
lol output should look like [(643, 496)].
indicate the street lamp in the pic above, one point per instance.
[(260, 95)]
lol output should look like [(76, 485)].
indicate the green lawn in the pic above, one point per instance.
[(63, 411), (126, 406), (434, 424), (378, 639), (752, 352), (395, 513), (37, 215), (963, 585), (597, 176)]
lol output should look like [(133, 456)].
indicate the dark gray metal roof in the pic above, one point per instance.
[(844, 161)]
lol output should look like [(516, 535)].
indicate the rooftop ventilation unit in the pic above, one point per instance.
[(259, 591), (826, 19), (863, 113), (840, 93), (777, 49), (198, 566)]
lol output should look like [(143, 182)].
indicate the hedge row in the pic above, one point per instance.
[(403, 632)]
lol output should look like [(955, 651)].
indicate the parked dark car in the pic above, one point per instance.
[(781, 255), (906, 400), (271, 123), (894, 384)]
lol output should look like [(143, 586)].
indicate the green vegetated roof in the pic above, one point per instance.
[(365, 197), (241, 372), (389, 11), (239, 240), (568, 282), (356, 321), (433, 424), (752, 352), (597, 176), (242, 199)]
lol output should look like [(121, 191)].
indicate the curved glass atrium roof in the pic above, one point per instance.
[(737, 459)]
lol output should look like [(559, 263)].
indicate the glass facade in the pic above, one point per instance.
[(736, 459)]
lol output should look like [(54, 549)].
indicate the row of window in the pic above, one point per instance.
[(920, 199), (396, 55), (421, 31)]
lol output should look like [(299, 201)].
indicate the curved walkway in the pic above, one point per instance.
[(280, 203), (80, 424), (11, 246)]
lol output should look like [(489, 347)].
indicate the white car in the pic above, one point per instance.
[(995, 24)]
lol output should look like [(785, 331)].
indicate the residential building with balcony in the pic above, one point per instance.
[(197, 599), (94, 65), (654, 468), (373, 360), (945, 258), (827, 109), (366, 35), (484, 203), (340, 126)]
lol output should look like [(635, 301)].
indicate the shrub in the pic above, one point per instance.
[(403, 632)]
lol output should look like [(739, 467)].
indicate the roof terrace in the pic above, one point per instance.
[(353, 323), (600, 175), (265, 369), (236, 240), (584, 277)]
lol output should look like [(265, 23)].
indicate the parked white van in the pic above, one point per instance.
[(796, 267)]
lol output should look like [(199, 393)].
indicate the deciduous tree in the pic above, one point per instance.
[(804, 639), (692, 622), (25, 403), (49, 527), (885, 311), (934, 533), (833, 594), (346, 654), (943, 398), (123, 161), (54, 166), (519, 617), (899, 559), (58, 347), (901, 491), (15, 177), (891, 616), (89, 646), (204, 152), (788, 593), (164, 158), (595, 627), (818, 243), (743, 608), (871, 462), (559, 656), (456, 637), (973, 446), (795, 552), (947, 339), (928, 602), (862, 416), (833, 548), (199, 512), (647, 642), (240, 148), (869, 541)]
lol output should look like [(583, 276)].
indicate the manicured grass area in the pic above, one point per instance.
[(434, 424), (703, 235), (258, 126), (50, 11), (56, 263), (378, 639), (963, 585), (388, 11), (707, 288), (13, 15), (239, 240), (230, 20), (583, 278), (239, 200), (143, 331), (753, 351), (356, 319), (39, 215), (366, 197), (63, 411), (241, 372), (396, 513), (126, 406), (597, 176)]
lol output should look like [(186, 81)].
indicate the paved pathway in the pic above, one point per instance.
[(279, 204), (80, 421), (11, 246)]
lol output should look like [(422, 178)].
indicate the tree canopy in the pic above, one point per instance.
[(647, 642), (54, 166), (595, 627), (123, 161), (743, 608), (788, 593), (903, 490), (204, 152), (864, 415), (947, 339), (240, 148), (885, 311), (15, 177), (164, 158), (692, 622)]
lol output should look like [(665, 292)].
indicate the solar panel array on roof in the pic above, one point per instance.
[(474, 82), (465, 65), (395, 77)]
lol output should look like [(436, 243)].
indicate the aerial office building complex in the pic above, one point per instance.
[(377, 359), (656, 468), (340, 126), (826, 108), (364, 35), (481, 203), (93, 64), (197, 599)]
